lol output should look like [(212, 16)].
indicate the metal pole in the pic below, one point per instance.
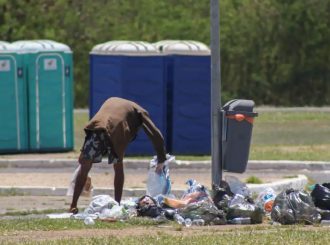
[(216, 130)]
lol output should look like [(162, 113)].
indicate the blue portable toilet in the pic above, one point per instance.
[(188, 75), (48, 67), (13, 101), (132, 70)]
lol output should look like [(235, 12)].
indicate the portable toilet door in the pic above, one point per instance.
[(188, 76), (133, 70), (50, 95), (13, 104)]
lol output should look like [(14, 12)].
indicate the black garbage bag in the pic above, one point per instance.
[(221, 194), (148, 206), (294, 206), (205, 210), (325, 214), (321, 196), (244, 207)]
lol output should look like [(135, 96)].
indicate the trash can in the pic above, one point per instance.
[(13, 101), (48, 66), (188, 76), (237, 127), (132, 70)]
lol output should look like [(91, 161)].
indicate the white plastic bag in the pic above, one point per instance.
[(116, 212), (159, 183), (99, 203), (88, 188)]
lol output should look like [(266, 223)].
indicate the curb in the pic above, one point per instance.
[(136, 164), (296, 183)]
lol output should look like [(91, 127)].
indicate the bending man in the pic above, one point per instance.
[(109, 132)]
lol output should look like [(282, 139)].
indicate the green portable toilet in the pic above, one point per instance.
[(48, 65), (13, 102)]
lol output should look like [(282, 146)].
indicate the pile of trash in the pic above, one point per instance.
[(229, 203)]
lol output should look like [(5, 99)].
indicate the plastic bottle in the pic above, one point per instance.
[(178, 218), (188, 222), (89, 221), (240, 220), (266, 199), (198, 222)]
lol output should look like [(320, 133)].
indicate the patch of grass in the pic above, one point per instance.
[(290, 152), (290, 176), (29, 212), (53, 224), (293, 236), (140, 221), (68, 224), (11, 192), (253, 180), (80, 120)]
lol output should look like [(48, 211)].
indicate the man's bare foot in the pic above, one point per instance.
[(73, 210)]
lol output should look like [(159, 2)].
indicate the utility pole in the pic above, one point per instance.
[(216, 129)]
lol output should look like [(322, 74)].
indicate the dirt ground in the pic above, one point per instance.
[(12, 204)]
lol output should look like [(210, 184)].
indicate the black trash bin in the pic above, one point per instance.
[(237, 126)]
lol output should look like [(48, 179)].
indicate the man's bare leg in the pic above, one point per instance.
[(86, 165), (118, 180)]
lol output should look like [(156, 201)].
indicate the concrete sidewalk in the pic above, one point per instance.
[(53, 162)]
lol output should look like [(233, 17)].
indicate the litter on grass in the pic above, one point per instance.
[(229, 203)]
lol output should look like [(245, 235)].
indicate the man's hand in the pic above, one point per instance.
[(159, 168)]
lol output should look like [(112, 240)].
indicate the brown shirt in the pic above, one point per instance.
[(121, 119)]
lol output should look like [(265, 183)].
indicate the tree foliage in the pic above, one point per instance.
[(272, 51)]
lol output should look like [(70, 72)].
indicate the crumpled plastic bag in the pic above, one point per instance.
[(116, 212), (159, 183), (237, 187), (105, 207), (99, 203), (195, 193), (193, 188), (321, 196), (294, 206), (243, 207), (88, 187), (205, 210)]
